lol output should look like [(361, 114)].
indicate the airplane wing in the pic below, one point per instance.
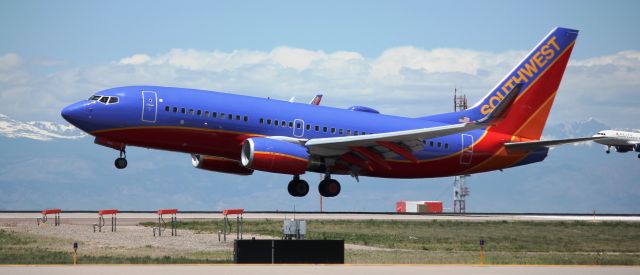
[(404, 142), (533, 145)]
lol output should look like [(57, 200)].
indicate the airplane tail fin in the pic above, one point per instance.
[(539, 74)]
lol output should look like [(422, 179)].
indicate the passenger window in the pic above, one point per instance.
[(340, 131), (199, 112), (355, 133), (324, 129), (308, 126), (104, 99), (183, 110), (290, 124), (113, 99), (446, 146), (283, 123), (191, 111), (214, 114), (237, 117), (230, 116), (166, 108), (276, 122), (206, 114), (317, 128), (246, 118), (298, 126), (261, 120), (268, 121), (175, 109), (333, 130), (364, 133), (439, 144), (348, 132)]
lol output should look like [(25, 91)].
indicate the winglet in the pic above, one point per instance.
[(500, 111), (316, 100)]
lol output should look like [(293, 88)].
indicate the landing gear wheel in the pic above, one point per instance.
[(608, 151), (329, 188), (121, 163), (298, 188)]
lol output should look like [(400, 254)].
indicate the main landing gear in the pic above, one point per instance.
[(327, 187), (298, 187), (609, 150), (121, 162)]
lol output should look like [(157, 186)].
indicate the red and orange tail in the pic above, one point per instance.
[(540, 73)]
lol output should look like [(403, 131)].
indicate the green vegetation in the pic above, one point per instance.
[(387, 242), (516, 242), (22, 248)]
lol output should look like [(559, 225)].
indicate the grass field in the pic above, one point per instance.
[(22, 248), (458, 241), (387, 242)]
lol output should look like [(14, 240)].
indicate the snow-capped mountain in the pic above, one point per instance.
[(574, 129), (37, 130)]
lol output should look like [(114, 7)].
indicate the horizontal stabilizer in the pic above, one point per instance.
[(534, 145)]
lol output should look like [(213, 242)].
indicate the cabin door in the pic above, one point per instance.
[(149, 106), (467, 149)]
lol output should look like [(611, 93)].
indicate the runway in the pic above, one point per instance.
[(129, 218), (316, 269)]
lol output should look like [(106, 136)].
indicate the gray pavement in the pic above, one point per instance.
[(315, 269)]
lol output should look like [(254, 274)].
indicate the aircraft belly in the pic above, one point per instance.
[(181, 139)]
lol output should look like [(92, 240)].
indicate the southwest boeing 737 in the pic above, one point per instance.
[(240, 134)]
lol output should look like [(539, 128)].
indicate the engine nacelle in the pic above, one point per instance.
[(219, 164), (623, 149), (275, 156)]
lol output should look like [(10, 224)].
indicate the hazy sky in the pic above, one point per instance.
[(401, 57)]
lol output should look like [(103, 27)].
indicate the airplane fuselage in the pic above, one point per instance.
[(216, 124)]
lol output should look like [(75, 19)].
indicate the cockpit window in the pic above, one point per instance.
[(105, 99)]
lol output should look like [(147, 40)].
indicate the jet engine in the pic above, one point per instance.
[(218, 164), (275, 156), (624, 149)]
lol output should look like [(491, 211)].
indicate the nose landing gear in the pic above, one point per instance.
[(121, 162)]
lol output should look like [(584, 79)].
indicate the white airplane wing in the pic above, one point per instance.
[(403, 142), (533, 145)]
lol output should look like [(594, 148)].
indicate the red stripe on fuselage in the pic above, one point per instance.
[(181, 139)]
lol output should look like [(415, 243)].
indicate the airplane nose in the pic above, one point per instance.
[(72, 113)]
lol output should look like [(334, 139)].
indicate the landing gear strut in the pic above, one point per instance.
[(329, 187), (608, 149), (298, 187), (121, 162)]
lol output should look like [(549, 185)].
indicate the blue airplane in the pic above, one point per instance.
[(240, 134)]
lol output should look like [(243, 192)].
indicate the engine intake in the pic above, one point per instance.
[(218, 164), (275, 156)]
